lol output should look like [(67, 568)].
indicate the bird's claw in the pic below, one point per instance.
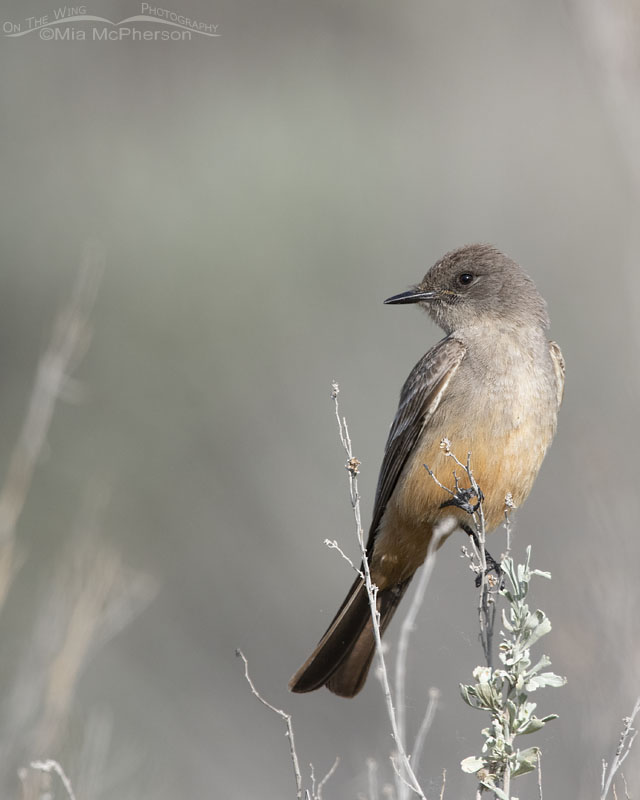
[(492, 566), (461, 500)]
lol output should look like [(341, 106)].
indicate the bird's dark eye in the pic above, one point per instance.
[(465, 278)]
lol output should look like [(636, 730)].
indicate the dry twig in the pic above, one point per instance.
[(627, 737), (540, 776), (404, 770), (288, 724), (317, 795), (50, 766), (461, 498)]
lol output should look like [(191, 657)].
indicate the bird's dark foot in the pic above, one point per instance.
[(492, 564), (462, 499)]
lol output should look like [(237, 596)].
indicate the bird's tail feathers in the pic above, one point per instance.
[(343, 656)]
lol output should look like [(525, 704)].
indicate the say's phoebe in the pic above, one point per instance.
[(492, 387)]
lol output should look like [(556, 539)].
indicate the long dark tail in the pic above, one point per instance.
[(343, 656)]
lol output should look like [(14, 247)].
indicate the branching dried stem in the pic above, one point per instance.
[(316, 788), (404, 769), (461, 499), (627, 737), (287, 720), (301, 793), (332, 544), (51, 766), (400, 773), (318, 792), (489, 586)]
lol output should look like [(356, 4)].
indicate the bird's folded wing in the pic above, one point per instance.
[(421, 394)]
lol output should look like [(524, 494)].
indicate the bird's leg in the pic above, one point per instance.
[(461, 499), (492, 564)]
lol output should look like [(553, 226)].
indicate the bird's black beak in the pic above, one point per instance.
[(412, 296)]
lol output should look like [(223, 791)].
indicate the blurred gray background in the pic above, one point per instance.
[(257, 196)]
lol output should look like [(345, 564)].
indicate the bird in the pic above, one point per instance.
[(491, 388)]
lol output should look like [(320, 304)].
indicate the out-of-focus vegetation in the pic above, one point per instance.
[(257, 196)]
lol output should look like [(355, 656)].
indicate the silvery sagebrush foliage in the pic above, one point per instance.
[(504, 692)]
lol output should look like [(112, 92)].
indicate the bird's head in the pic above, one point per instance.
[(475, 283)]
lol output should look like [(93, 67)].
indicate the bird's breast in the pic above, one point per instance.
[(500, 406), (506, 424)]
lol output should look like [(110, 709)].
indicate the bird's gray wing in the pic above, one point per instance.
[(558, 366), (420, 396)]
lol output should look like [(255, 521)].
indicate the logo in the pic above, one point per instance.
[(74, 24)]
